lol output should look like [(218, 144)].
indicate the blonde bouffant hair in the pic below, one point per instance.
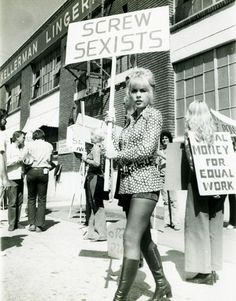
[(200, 121), (147, 78)]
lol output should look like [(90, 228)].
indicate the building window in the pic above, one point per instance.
[(210, 76), (13, 95), (91, 80), (46, 74), (187, 8)]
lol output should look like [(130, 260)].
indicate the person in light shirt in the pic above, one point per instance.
[(39, 157), (15, 173)]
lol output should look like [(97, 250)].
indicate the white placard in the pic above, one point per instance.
[(115, 232), (215, 165), (135, 32), (75, 138)]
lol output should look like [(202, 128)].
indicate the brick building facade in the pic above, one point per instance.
[(39, 92)]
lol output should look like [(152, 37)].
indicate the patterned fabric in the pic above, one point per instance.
[(139, 141)]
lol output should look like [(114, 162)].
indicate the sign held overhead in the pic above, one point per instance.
[(136, 32)]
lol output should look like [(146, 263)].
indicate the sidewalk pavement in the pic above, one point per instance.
[(59, 265)]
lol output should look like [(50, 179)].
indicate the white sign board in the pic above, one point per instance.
[(215, 165), (115, 232), (75, 138), (136, 32), (224, 123)]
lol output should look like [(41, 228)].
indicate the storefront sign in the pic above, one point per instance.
[(215, 170), (123, 34), (51, 31)]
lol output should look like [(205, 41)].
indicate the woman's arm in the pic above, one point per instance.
[(95, 159)]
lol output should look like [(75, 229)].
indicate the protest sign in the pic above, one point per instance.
[(115, 233), (224, 123), (214, 164), (75, 138), (135, 32)]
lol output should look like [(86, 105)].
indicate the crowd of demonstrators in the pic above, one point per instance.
[(94, 188), (140, 183), (204, 214), (15, 155), (39, 157), (169, 197)]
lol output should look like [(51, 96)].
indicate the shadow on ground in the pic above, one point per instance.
[(177, 258), (11, 241), (94, 254), (50, 223)]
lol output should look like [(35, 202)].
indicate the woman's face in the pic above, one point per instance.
[(21, 139), (140, 94), (94, 138), (165, 140)]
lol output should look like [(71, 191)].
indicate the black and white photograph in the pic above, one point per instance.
[(117, 150)]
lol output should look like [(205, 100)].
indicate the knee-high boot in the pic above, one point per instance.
[(128, 274), (153, 259)]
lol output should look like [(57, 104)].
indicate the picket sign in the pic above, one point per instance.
[(214, 164), (123, 34)]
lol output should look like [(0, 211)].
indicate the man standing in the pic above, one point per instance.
[(15, 173), (4, 182)]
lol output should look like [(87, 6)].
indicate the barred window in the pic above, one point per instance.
[(46, 74), (210, 76), (13, 95), (187, 8)]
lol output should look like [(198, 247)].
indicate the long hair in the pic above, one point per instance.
[(167, 134), (16, 135), (38, 135), (199, 120), (141, 75)]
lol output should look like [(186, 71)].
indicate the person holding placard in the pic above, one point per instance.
[(140, 183), (204, 214), (95, 212)]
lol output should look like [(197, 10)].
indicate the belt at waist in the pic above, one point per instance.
[(39, 167), (126, 169)]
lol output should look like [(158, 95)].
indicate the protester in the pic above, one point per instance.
[(94, 184), (4, 182), (232, 212), (15, 173), (204, 214), (129, 110), (140, 183), (232, 202), (169, 196), (39, 157)]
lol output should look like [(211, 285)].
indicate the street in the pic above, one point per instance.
[(60, 265)]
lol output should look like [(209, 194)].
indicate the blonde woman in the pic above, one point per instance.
[(140, 183), (95, 218), (204, 214)]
